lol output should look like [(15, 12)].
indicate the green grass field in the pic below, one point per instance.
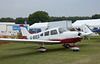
[(55, 54)]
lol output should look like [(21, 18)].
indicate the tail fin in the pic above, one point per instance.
[(86, 29), (25, 33)]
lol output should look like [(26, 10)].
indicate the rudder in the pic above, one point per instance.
[(25, 33)]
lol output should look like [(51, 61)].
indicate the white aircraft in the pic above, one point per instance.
[(86, 29), (50, 36)]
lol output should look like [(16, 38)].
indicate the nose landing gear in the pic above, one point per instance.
[(74, 47)]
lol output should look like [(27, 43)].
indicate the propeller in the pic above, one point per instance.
[(79, 34)]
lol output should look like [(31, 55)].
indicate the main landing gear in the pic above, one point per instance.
[(66, 45), (42, 48), (74, 47)]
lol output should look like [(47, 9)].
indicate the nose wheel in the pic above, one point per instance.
[(74, 47)]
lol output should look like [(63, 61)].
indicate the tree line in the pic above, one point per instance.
[(42, 16)]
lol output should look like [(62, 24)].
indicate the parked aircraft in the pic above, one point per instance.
[(86, 29), (50, 36)]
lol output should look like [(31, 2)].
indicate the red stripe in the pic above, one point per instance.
[(25, 37), (69, 40)]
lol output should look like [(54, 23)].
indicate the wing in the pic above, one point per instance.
[(36, 41)]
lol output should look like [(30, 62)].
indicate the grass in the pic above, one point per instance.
[(55, 54)]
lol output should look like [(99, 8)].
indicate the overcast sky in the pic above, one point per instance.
[(22, 8)]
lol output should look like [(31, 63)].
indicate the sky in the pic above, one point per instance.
[(22, 8)]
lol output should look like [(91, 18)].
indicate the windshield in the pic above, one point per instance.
[(61, 30), (35, 30)]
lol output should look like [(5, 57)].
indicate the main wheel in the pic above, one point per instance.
[(42, 49)]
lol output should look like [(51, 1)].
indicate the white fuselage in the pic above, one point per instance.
[(54, 34)]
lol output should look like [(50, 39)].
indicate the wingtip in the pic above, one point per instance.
[(21, 25)]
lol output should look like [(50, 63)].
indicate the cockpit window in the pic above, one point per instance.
[(54, 32), (61, 30)]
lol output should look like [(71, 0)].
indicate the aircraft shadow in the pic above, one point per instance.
[(30, 47), (61, 49), (83, 45), (17, 55), (57, 49), (32, 53)]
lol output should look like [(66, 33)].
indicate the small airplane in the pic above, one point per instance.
[(85, 28), (94, 32), (50, 36)]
